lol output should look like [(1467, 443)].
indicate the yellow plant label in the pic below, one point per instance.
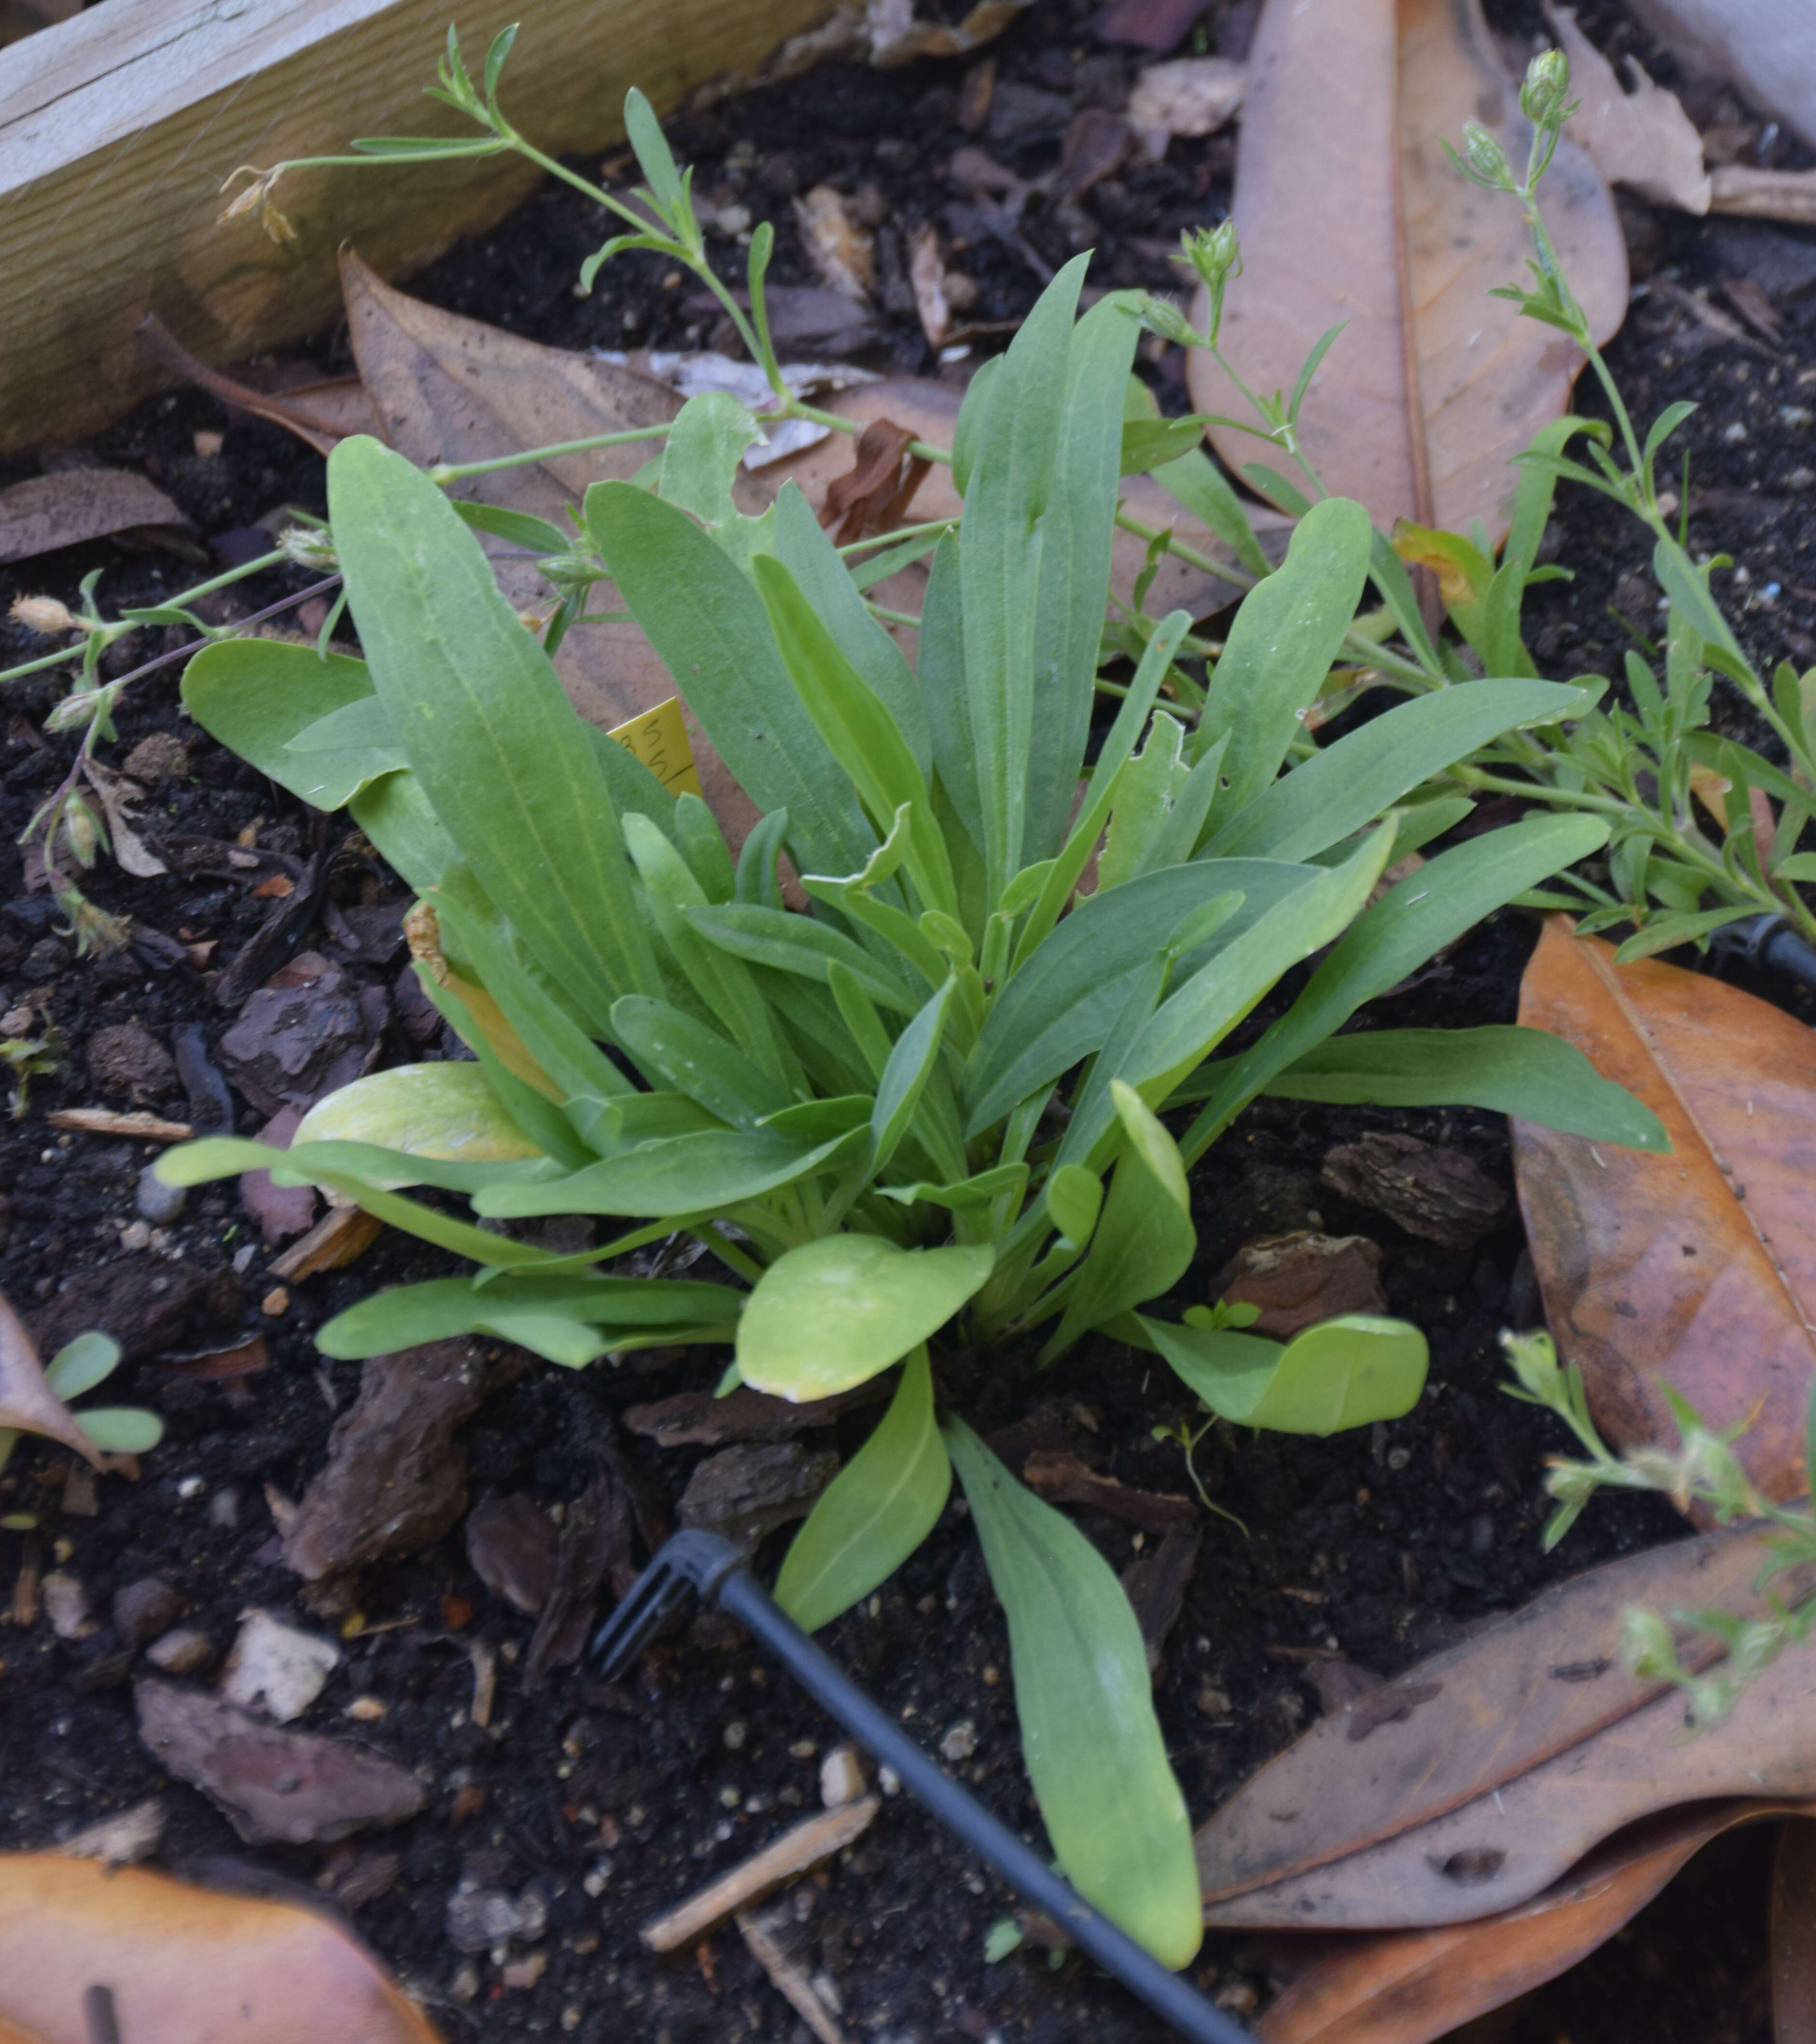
[(659, 738)]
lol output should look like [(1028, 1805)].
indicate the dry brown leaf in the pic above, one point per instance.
[(897, 38), (27, 1402), (1766, 47), (1788, 195), (843, 254), (1349, 209), (873, 496), (71, 504), (1794, 1936), (1473, 1780), (1409, 1987), (1695, 1271), (318, 413), (1643, 139), (184, 1963), (1190, 96), (927, 274)]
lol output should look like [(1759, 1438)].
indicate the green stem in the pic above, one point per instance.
[(445, 473)]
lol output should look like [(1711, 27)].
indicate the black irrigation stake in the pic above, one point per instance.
[(1770, 943), (703, 1563)]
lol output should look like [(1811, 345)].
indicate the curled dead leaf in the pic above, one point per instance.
[(184, 1963), (1643, 139), (1693, 1272), (1433, 386), (27, 1402)]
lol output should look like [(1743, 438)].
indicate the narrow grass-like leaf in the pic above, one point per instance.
[(876, 1512), (797, 944), (1112, 1810)]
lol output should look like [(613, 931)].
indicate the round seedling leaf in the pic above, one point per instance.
[(122, 1430), (1347, 1372), (834, 1312)]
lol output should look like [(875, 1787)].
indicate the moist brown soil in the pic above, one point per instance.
[(1376, 1546)]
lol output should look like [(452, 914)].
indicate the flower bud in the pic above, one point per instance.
[(80, 831), (1546, 88), (1648, 1647), (43, 615), (76, 711), (310, 547), (1485, 160)]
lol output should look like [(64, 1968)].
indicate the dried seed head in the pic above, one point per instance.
[(43, 614)]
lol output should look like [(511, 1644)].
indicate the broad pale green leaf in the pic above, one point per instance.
[(524, 1091), (122, 1430), (1145, 1239), (1075, 1199), (360, 725), (874, 1513), (447, 1111), (810, 556), (1348, 1372), (1287, 633), (1060, 1006), (705, 618), (837, 1310), (500, 752), (1427, 910), (396, 814), (1151, 783), (79, 1366), (686, 1174), (1011, 450), (1346, 785), (1076, 530), (1112, 1810), (257, 695), (700, 459), (616, 1313), (1503, 1068)]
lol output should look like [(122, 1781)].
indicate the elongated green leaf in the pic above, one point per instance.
[(1198, 486), (535, 535), (1007, 489), (1059, 1007), (701, 456), (1427, 910), (705, 618), (1285, 636), (838, 1311), (1113, 1811), (905, 1075), (445, 1111), (342, 1167), (1345, 786), (800, 945), (685, 1175), (523, 1091), (360, 725), (486, 728), (1348, 1372), (964, 1193), (1151, 783), (1503, 1068), (1145, 1239), (1075, 1199), (944, 695), (1077, 527), (257, 695), (876, 1512), (619, 1312), (673, 1050), (810, 556), (396, 814)]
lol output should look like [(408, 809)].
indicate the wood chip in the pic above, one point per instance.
[(1788, 195), (346, 1234), (796, 1852), (127, 1836), (104, 1121), (787, 1978)]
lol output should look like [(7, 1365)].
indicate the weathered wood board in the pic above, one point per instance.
[(117, 127)]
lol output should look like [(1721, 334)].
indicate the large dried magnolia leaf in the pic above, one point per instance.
[(1694, 1271), (27, 1402), (1409, 1987), (1476, 1779), (1349, 209), (185, 1964)]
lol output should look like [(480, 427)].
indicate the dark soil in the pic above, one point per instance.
[(1375, 1547)]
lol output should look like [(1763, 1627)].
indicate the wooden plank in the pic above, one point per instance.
[(117, 127)]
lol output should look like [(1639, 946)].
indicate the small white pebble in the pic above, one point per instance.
[(730, 1798), (889, 1782), (368, 1709), (960, 1741), (802, 1749), (841, 1777), (736, 1733), (1735, 433), (189, 1487)]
